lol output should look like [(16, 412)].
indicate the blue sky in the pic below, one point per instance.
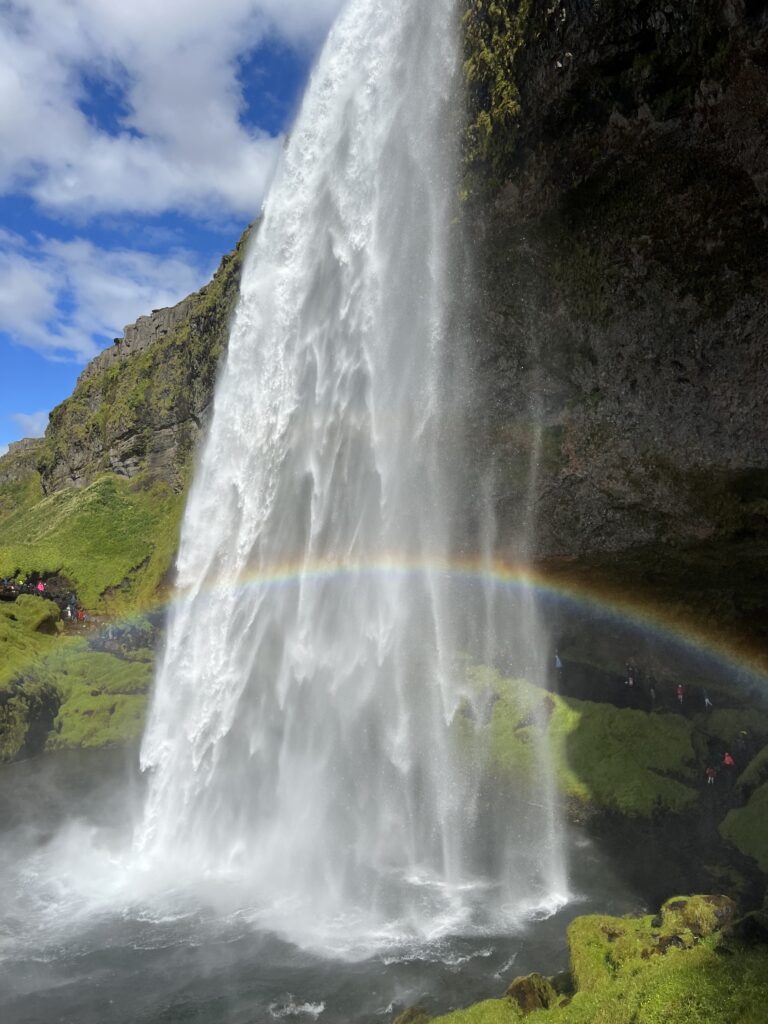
[(138, 141)]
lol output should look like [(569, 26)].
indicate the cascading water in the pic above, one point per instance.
[(308, 731)]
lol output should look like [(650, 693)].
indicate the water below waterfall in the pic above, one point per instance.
[(305, 743), (84, 939)]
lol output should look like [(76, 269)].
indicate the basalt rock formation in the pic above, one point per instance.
[(617, 198)]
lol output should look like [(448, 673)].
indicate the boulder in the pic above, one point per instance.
[(702, 915), (532, 992)]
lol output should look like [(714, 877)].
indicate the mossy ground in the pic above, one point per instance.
[(615, 759), (648, 971), (56, 691), (747, 827)]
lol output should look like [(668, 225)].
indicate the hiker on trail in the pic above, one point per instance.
[(680, 692), (728, 761), (707, 701), (558, 663), (40, 587), (710, 774), (80, 615)]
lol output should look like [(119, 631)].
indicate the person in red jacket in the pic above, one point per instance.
[(728, 761)]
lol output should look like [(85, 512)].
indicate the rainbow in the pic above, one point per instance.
[(641, 614)]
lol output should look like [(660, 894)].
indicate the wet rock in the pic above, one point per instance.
[(532, 992), (752, 928)]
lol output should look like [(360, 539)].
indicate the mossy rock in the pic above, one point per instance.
[(532, 992), (702, 915)]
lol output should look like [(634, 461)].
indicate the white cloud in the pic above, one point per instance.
[(182, 143), (66, 299), (32, 424)]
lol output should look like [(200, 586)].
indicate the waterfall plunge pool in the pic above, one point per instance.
[(80, 944)]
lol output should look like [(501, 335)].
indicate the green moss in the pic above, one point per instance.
[(494, 32), (85, 720), (492, 1011), (756, 772), (102, 696), (617, 759), (726, 723), (747, 827), (640, 971)]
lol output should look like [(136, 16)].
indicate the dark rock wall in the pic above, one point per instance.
[(617, 202)]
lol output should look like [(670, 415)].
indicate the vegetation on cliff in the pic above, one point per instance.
[(97, 503), (681, 967)]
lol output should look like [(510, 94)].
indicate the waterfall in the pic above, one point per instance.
[(303, 740)]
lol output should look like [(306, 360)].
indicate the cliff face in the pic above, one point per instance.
[(617, 197), (99, 499), (139, 407)]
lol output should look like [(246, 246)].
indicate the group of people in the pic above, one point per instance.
[(12, 587), (724, 763), (631, 678), (19, 585)]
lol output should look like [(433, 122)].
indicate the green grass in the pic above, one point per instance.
[(114, 540), (613, 758), (627, 972)]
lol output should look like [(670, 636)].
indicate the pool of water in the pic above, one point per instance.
[(83, 943)]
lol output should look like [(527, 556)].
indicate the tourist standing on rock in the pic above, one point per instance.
[(680, 692), (40, 587), (710, 774), (707, 701), (728, 761)]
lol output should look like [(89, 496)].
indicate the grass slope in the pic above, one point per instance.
[(648, 971), (115, 540)]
